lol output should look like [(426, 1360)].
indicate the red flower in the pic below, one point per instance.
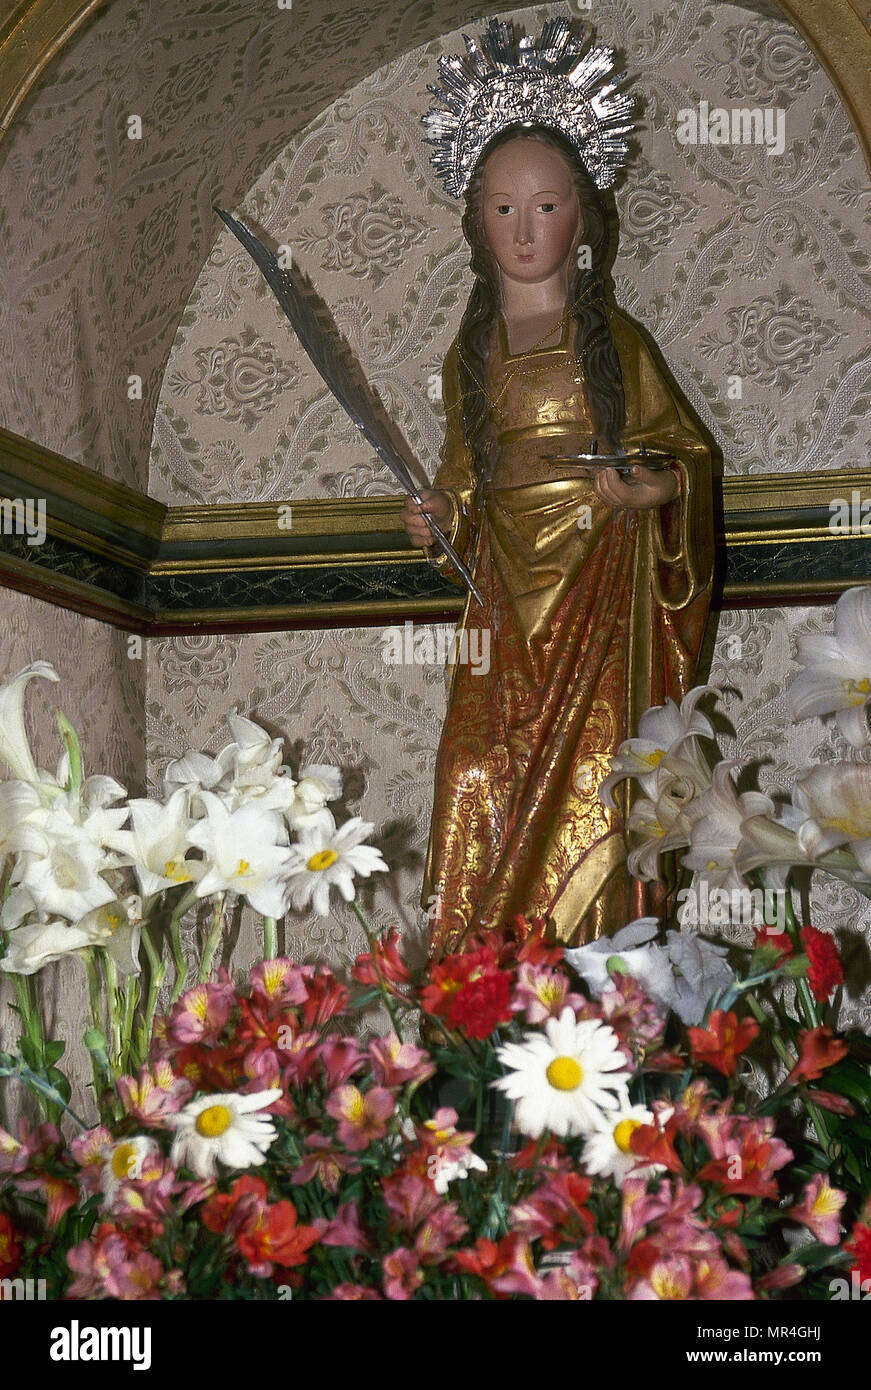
[(469, 991), (265, 1234), (780, 941), (830, 1101), (325, 997), (555, 1212), (818, 1049), (386, 959), (825, 971), (723, 1041), (750, 1168), (10, 1250), (859, 1245), (505, 1268), (482, 1005), (272, 1236)]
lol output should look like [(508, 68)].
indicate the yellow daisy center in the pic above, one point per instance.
[(123, 1161), (243, 867), (322, 860), (212, 1121), (624, 1132), (564, 1074)]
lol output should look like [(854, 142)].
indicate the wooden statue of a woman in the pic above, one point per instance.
[(595, 582)]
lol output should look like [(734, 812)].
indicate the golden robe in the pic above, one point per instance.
[(593, 614)]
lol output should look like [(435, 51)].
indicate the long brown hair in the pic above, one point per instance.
[(594, 344)]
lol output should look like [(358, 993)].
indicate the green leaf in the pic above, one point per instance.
[(817, 1255)]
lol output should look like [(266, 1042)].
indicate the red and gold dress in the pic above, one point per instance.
[(593, 614)]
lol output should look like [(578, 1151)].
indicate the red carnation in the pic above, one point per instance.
[(469, 991), (482, 1005), (825, 971), (859, 1245)]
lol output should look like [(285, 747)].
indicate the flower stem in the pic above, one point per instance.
[(156, 973), (131, 999), (175, 946), (270, 938), (110, 974), (216, 930)]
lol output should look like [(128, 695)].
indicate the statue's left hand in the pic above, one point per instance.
[(641, 488)]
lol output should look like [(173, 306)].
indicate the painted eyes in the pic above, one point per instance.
[(503, 209)]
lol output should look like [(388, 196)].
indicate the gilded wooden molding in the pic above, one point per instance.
[(32, 34), (114, 553)]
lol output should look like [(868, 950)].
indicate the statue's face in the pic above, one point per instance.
[(530, 210)]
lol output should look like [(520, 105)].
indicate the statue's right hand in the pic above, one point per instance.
[(433, 501)]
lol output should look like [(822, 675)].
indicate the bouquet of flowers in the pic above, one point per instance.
[(656, 1115)]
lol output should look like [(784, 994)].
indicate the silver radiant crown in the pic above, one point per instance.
[(559, 82)]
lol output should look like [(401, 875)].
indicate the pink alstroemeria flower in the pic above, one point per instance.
[(394, 1063), (820, 1209), (201, 1012), (325, 1162), (362, 1116), (541, 992), (402, 1274), (156, 1094), (340, 1058), (344, 1229)]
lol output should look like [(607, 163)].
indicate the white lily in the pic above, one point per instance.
[(196, 772), (29, 948), (257, 770), (322, 858), (157, 845), (770, 843), (246, 853), (17, 802), (837, 675), (66, 881), (700, 970), (15, 748), (664, 824), (836, 800), (247, 770), (117, 927), (642, 958), (318, 784), (716, 829), (681, 975), (662, 731)]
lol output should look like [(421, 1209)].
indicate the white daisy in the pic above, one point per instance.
[(124, 1162), (564, 1078), (607, 1153), (221, 1126), (322, 857)]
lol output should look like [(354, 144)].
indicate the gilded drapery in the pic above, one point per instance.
[(593, 615)]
